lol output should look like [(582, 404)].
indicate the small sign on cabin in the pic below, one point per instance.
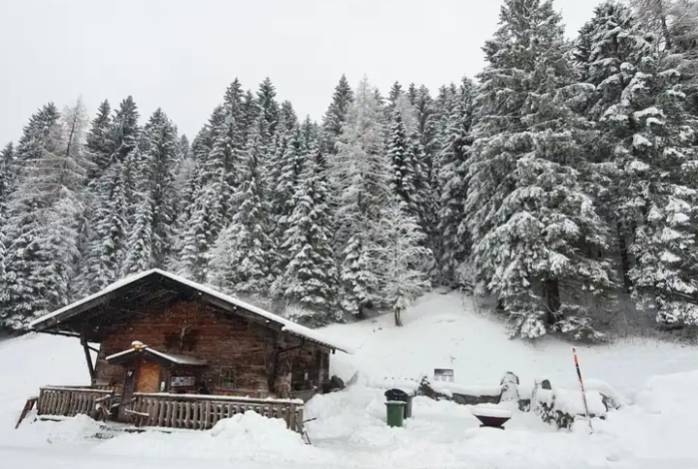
[(182, 381), (443, 374)]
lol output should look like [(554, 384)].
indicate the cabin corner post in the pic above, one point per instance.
[(274, 372), (88, 357)]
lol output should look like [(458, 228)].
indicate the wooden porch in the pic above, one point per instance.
[(190, 411)]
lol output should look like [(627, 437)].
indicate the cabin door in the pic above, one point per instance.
[(140, 376), (148, 377)]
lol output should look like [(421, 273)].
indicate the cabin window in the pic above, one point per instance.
[(227, 378)]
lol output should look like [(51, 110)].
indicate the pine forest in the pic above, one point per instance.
[(560, 185)]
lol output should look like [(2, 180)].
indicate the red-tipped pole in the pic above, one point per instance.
[(581, 383)]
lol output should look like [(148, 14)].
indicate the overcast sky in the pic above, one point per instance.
[(181, 54)]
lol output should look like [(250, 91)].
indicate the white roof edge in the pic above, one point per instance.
[(178, 359), (288, 326)]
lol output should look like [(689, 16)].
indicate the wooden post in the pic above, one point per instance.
[(88, 357)]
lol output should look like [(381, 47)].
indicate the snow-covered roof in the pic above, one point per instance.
[(169, 357), (291, 327)]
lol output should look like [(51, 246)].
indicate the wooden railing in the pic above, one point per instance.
[(69, 401), (201, 412)]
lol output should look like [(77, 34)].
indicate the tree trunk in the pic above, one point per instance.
[(552, 293), (398, 318), (624, 258)]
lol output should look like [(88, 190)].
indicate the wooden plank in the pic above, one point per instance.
[(76, 388), (29, 405), (161, 414), (187, 414), (194, 415), (65, 403), (207, 414), (152, 411), (299, 420), (291, 417), (88, 356), (173, 414), (180, 414)]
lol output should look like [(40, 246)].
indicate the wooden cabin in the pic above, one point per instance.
[(164, 338)]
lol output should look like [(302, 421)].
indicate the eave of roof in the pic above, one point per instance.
[(56, 317)]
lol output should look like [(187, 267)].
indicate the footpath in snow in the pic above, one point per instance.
[(655, 429)]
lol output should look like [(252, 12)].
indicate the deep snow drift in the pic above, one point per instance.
[(655, 429)]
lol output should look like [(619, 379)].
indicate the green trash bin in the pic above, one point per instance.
[(395, 413), (400, 395)]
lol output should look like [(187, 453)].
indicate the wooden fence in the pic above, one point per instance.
[(69, 401), (203, 411)]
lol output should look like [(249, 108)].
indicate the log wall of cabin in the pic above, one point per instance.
[(227, 343)]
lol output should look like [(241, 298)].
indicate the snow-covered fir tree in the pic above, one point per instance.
[(268, 107), (202, 200), (30, 146), (607, 52), (360, 174), (124, 131), (658, 164), (99, 143), (336, 115), (140, 256), (41, 230), (535, 232), (309, 280), (223, 163), (107, 246), (240, 257), (402, 160), (287, 172), (454, 248), (7, 176), (402, 257)]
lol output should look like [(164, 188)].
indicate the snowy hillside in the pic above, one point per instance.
[(441, 331)]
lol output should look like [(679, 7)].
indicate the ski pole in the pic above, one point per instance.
[(581, 384)]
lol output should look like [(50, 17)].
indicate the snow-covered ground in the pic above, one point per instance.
[(655, 429)]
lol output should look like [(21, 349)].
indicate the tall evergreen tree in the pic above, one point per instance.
[(360, 174), (222, 165), (523, 183), (124, 131), (658, 165), (403, 256), (289, 166), (309, 279), (607, 52), (41, 230), (336, 115), (240, 256), (108, 243), (157, 185), (35, 135), (140, 256), (268, 107), (99, 143), (454, 248), (7, 176), (403, 174)]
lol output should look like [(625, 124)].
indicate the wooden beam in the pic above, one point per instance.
[(88, 357)]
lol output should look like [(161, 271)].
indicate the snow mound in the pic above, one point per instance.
[(244, 437), (449, 389), (253, 429), (571, 402), (491, 410)]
